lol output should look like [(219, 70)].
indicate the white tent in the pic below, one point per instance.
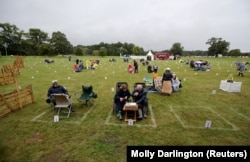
[(150, 56)]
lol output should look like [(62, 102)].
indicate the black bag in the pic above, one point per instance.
[(48, 100), (180, 86)]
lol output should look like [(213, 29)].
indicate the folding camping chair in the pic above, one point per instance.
[(62, 101), (148, 81), (87, 94)]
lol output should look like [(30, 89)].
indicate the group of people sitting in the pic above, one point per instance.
[(122, 96), (168, 83), (139, 96), (200, 65), (78, 67), (48, 61), (90, 64), (153, 69)]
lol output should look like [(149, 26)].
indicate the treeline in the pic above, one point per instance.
[(37, 42), (14, 41)]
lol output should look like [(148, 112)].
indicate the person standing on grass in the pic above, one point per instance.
[(155, 68), (136, 66), (240, 68)]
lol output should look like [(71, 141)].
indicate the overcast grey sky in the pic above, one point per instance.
[(150, 24)]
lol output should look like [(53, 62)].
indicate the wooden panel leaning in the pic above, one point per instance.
[(19, 62), (15, 100), (11, 69), (7, 77)]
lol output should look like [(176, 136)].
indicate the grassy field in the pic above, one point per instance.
[(94, 134)]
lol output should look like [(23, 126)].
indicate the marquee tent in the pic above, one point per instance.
[(150, 56)]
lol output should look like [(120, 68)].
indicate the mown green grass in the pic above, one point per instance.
[(99, 135)]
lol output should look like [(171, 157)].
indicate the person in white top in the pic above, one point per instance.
[(175, 83)]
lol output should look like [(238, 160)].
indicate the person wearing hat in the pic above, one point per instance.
[(56, 89), (167, 82)]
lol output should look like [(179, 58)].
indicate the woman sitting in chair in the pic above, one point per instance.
[(121, 97), (175, 83)]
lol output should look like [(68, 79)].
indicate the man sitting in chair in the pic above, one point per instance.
[(56, 89), (140, 97)]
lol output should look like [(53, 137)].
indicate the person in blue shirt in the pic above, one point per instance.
[(140, 97), (56, 88)]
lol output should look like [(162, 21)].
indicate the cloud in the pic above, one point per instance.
[(151, 24)]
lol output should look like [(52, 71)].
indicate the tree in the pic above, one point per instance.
[(217, 46), (103, 51), (11, 36), (60, 43), (44, 49), (234, 52), (35, 38), (95, 52), (136, 50), (78, 50), (177, 49)]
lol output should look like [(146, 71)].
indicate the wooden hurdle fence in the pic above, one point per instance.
[(15, 100), (18, 62), (9, 72)]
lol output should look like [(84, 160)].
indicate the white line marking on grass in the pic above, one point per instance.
[(234, 127), (177, 117), (152, 116), (240, 114), (42, 121), (135, 124), (217, 128), (108, 117), (194, 127), (62, 117), (38, 116), (86, 114)]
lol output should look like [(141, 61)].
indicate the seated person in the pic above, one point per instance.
[(121, 97), (95, 66), (155, 76), (75, 67), (56, 89), (78, 68), (46, 60), (176, 84), (130, 69), (140, 97)]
